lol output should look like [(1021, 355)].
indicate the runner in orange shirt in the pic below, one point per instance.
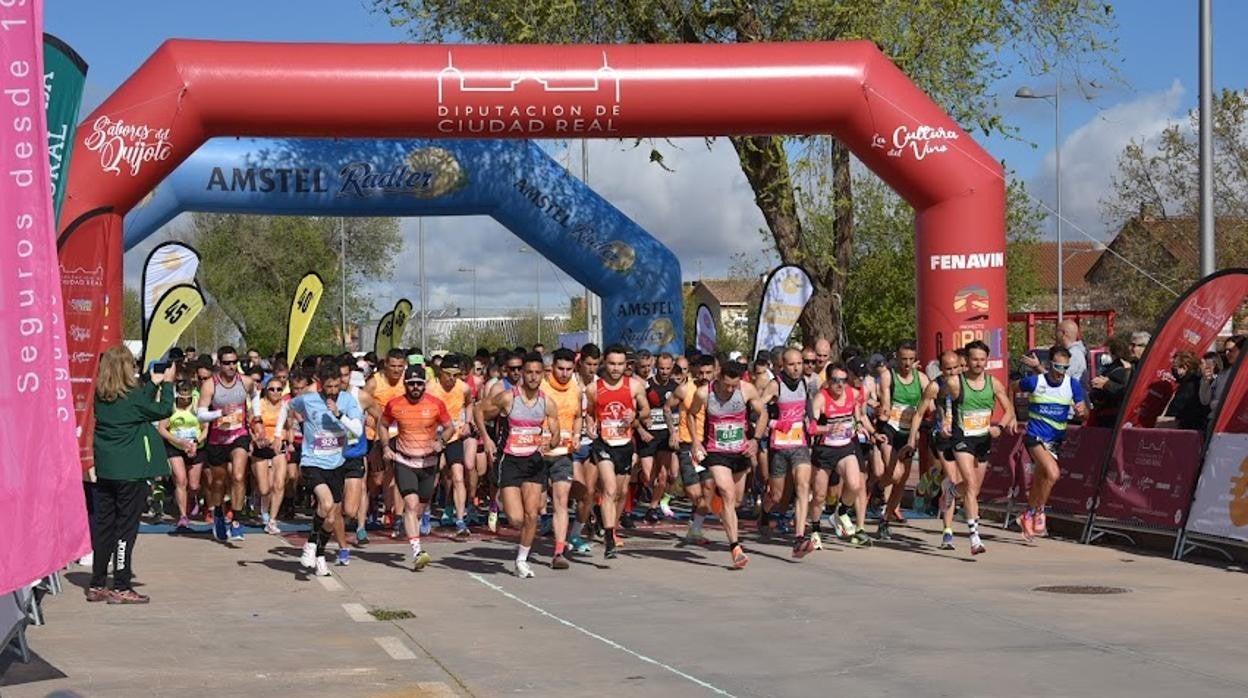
[(457, 396), (562, 388)]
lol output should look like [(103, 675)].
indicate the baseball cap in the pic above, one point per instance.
[(414, 373), (858, 366), (450, 361), (877, 360)]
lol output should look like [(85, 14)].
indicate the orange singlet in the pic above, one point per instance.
[(383, 393), (418, 424), (567, 399), (699, 418), (453, 399)]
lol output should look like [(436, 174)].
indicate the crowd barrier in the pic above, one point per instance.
[(1083, 454), (1004, 488), (1219, 515)]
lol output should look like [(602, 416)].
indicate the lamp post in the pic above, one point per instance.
[(473, 271), (1056, 97)]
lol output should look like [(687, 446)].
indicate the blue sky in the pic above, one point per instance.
[(1157, 55)]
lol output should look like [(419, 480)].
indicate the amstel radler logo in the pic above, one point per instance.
[(586, 101)]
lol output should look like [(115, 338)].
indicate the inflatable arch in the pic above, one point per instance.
[(190, 91), (515, 182)]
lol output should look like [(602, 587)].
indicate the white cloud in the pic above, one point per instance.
[(1090, 155)]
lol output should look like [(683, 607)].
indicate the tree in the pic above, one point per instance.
[(950, 48), (131, 314), (251, 266), (1156, 199)]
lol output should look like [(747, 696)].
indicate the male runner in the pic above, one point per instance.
[(901, 392), (228, 441), (790, 453), (583, 468), (457, 397), (562, 388), (532, 430), (329, 418), (618, 405), (513, 369), (655, 449), (420, 421), (697, 479), (355, 489), (1053, 395), (840, 418), (727, 442), (383, 386)]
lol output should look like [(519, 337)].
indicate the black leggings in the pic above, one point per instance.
[(115, 527)]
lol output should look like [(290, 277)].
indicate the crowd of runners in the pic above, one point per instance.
[(579, 445)]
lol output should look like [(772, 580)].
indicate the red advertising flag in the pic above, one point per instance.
[(1192, 324), (1232, 416), (90, 257)]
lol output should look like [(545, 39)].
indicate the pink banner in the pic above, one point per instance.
[(1151, 477), (1003, 468), (1083, 454), (41, 501)]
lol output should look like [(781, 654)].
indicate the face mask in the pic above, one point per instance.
[(1106, 359)]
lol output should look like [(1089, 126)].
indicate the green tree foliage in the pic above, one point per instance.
[(954, 49), (1156, 198), (131, 314), (251, 266)]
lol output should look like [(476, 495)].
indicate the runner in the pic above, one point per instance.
[(697, 479), (901, 392), (329, 417), (561, 387), (184, 440), (513, 369), (790, 453), (583, 468), (532, 430), (1053, 396), (840, 417), (937, 400), (761, 376), (457, 397), (618, 405), (655, 443), (418, 420), (228, 441), (726, 444), (382, 387), (268, 457), (355, 469)]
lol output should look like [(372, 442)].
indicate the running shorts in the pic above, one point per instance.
[(783, 460), (827, 457), (736, 462), (620, 456), (559, 469), (514, 471), (979, 446), (691, 474), (217, 455), (418, 481), (333, 479), (660, 442), (455, 452), (353, 469), (1054, 447)]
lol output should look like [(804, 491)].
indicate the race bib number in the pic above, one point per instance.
[(658, 420), (328, 444), (524, 438), (900, 416), (615, 431), (840, 431), (976, 422), (795, 436), (730, 436), (186, 433), (231, 418), (565, 439)]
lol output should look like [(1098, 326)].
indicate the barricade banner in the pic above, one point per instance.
[(1232, 414), (1083, 452), (1003, 467), (41, 512), (1221, 504), (1151, 477), (175, 311)]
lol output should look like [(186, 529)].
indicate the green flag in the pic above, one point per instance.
[(64, 74)]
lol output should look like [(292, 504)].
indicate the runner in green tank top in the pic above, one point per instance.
[(901, 392), (184, 435), (974, 396)]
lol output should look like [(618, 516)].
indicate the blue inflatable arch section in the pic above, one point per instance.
[(514, 182)]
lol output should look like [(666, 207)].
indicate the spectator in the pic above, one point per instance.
[(1108, 387), (1232, 350), (1066, 334), (1139, 342), (128, 452), (1210, 368), (1185, 405)]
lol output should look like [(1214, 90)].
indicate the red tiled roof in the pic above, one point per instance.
[(730, 291), (1078, 256)]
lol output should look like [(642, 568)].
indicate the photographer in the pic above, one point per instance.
[(128, 453)]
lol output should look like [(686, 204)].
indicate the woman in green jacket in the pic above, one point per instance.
[(128, 453)]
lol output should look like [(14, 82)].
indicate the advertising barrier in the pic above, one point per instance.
[(1083, 453), (1150, 480)]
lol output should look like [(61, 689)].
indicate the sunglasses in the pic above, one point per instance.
[(415, 383), (838, 381), (515, 368), (229, 363), (810, 362), (1060, 367), (1138, 345), (273, 389)]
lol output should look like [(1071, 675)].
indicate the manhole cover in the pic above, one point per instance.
[(391, 614), (1080, 589)]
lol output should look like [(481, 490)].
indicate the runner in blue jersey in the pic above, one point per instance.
[(1053, 395)]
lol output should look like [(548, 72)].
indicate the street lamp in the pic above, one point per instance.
[(537, 288), (473, 270), (1056, 97)]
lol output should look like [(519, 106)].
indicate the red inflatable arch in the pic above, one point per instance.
[(189, 91)]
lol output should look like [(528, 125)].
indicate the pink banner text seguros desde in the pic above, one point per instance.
[(41, 500)]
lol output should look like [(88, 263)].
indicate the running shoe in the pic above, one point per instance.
[(578, 545), (218, 527), (264, 518), (977, 546), (875, 512), (448, 518), (884, 533), (1027, 522), (184, 524), (523, 570), (860, 539), (897, 516), (946, 539), (816, 541), (739, 558), (461, 530), (473, 516), (802, 547), (559, 562), (322, 568), (653, 516), (609, 553), (665, 506), (361, 536), (1042, 524), (842, 526), (626, 521), (695, 537), (397, 530), (129, 596), (272, 529), (426, 523), (421, 560), (236, 532), (97, 594), (492, 520), (308, 558), (344, 557)]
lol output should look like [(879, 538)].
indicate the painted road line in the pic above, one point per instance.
[(358, 613), (394, 647), (330, 583), (605, 641)]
